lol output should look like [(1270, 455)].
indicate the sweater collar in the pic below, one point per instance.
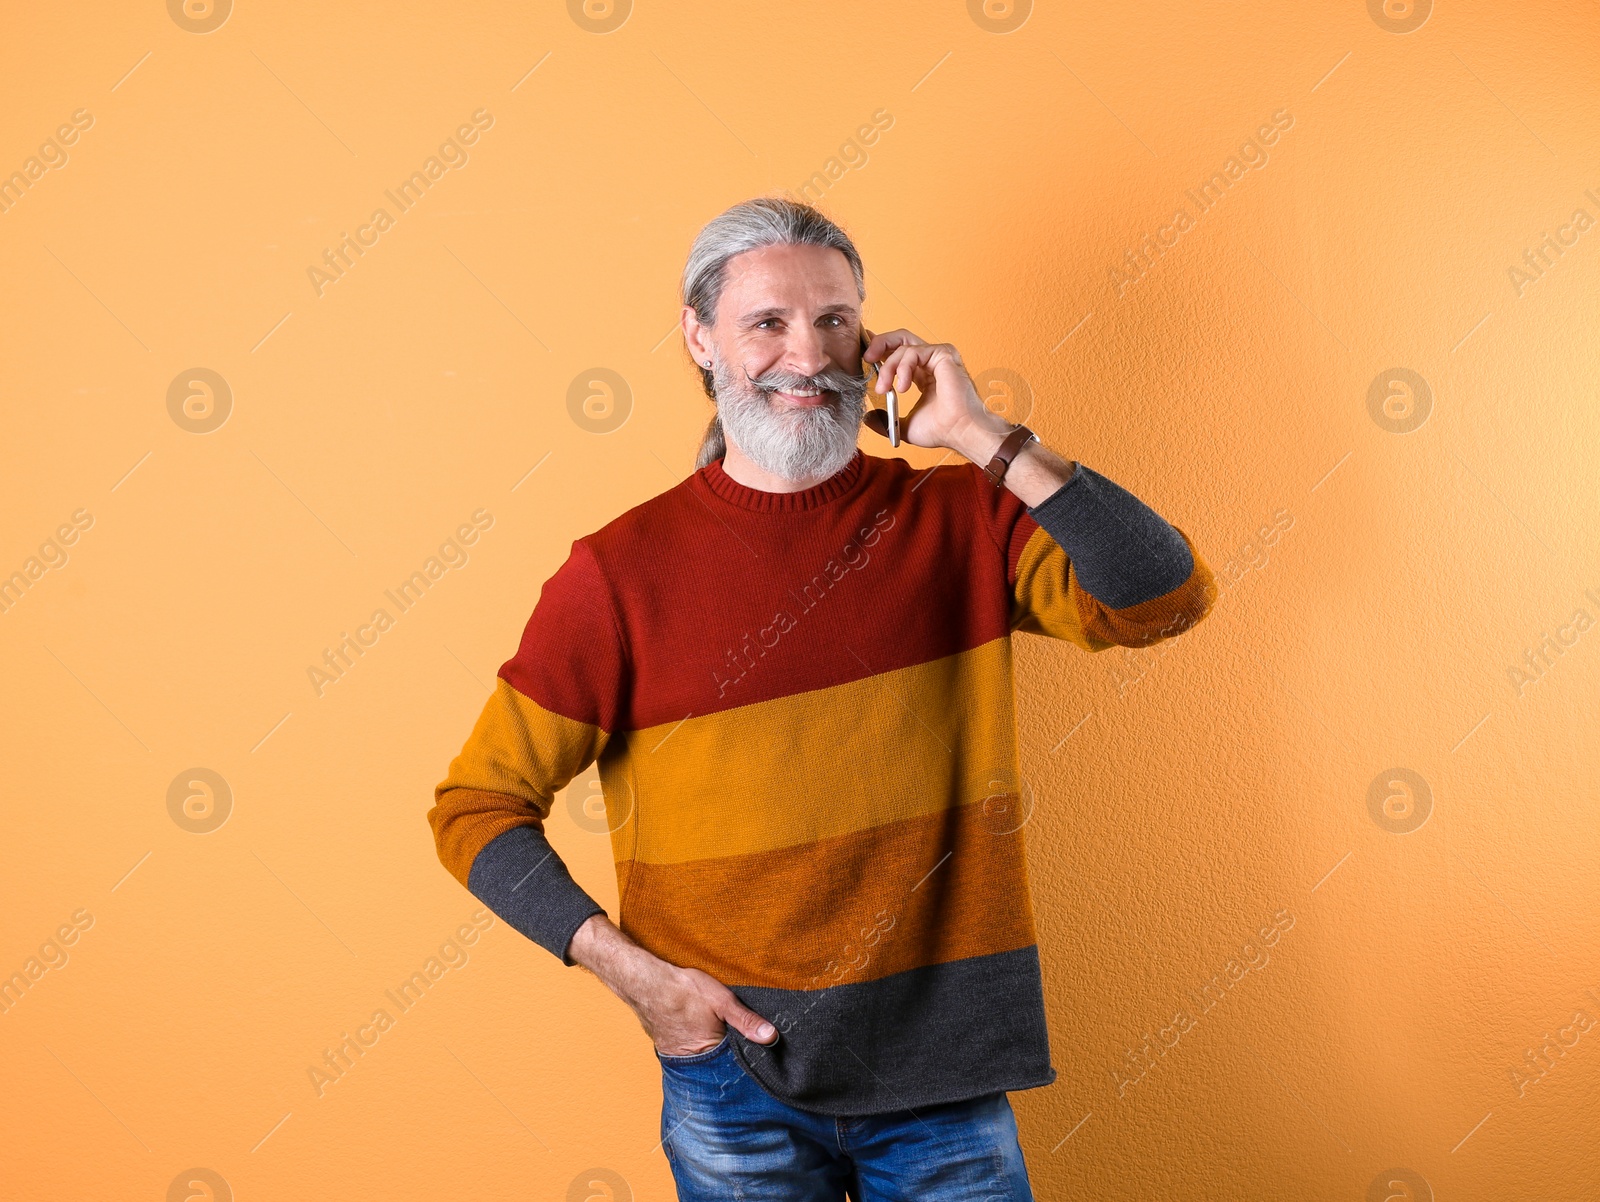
[(837, 485)]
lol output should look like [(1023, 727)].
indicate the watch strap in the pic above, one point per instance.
[(1008, 450)]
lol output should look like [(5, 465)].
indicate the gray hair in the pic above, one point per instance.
[(764, 221)]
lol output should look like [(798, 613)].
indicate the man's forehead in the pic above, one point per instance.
[(789, 276)]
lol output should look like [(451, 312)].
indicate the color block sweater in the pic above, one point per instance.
[(803, 712)]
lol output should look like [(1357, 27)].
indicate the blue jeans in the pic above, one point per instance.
[(727, 1138)]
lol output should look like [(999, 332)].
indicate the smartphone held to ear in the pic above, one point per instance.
[(868, 370)]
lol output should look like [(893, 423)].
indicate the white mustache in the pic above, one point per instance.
[(833, 380)]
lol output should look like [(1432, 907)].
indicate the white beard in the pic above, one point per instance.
[(797, 443)]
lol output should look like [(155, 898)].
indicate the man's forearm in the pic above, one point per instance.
[(1035, 473), (520, 877), (1123, 552), (620, 963)]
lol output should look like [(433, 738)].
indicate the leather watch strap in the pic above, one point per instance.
[(1013, 443)]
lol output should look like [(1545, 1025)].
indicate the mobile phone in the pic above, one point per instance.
[(892, 401)]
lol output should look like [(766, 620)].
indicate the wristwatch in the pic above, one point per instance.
[(1009, 448)]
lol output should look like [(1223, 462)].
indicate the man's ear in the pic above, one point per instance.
[(696, 337)]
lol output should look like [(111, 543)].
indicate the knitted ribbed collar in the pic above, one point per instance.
[(839, 484)]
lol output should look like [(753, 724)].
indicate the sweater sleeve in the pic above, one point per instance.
[(554, 706), (1095, 565)]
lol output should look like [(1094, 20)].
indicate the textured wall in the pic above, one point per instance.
[(1349, 371)]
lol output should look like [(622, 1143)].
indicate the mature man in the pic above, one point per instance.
[(795, 671)]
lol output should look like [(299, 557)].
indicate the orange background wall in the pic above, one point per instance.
[(1183, 797)]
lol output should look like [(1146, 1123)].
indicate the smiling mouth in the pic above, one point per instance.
[(805, 398)]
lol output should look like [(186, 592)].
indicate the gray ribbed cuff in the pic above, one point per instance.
[(1124, 552), (520, 877)]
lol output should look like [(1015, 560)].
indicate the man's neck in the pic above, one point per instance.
[(741, 468)]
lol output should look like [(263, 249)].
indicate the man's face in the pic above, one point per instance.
[(786, 353)]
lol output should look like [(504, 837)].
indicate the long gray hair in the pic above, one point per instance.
[(764, 221)]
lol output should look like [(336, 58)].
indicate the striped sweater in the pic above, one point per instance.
[(802, 708)]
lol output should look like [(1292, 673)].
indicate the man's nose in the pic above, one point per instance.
[(805, 354)]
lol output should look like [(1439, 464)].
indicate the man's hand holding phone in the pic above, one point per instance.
[(949, 412)]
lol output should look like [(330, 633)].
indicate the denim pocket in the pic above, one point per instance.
[(697, 1057)]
